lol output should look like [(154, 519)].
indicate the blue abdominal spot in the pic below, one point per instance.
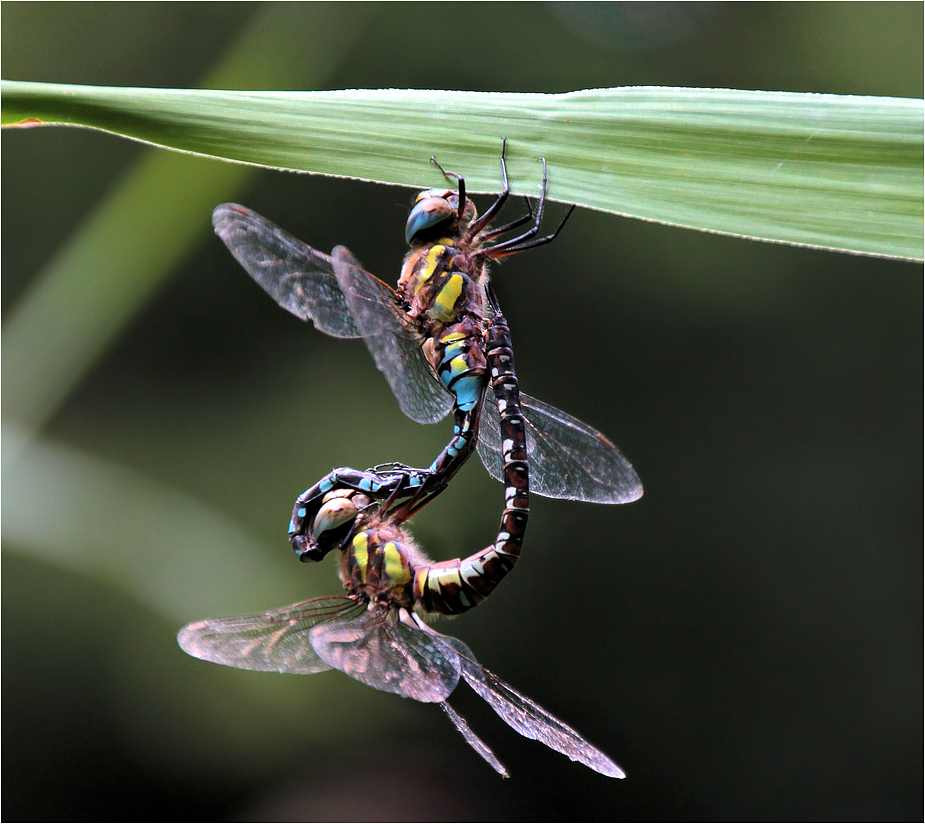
[(467, 392)]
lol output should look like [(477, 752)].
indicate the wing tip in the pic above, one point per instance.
[(609, 496), (626, 493), (225, 213), (186, 638), (637, 492), (614, 771), (600, 763)]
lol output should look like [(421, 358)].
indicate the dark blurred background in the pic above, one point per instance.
[(746, 640)]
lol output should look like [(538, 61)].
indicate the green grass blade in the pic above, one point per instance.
[(829, 171)]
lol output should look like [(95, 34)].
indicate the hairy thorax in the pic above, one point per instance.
[(379, 565)]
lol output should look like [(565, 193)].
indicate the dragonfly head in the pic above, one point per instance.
[(331, 525), (434, 214)]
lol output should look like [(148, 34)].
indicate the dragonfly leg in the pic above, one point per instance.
[(489, 215), (528, 239), (530, 244), (512, 225)]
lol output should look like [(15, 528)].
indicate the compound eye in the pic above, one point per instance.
[(425, 194), (431, 208), (333, 514)]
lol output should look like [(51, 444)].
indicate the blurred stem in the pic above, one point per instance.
[(155, 544), (150, 221)]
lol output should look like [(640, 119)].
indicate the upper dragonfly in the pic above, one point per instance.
[(427, 336)]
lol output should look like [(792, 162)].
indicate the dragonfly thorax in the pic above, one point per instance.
[(379, 564), (445, 294), (441, 283)]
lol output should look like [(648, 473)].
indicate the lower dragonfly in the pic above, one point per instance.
[(426, 336), (376, 633)]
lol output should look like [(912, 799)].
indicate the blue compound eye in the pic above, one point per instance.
[(431, 208)]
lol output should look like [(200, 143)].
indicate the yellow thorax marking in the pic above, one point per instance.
[(445, 301), (361, 554), (420, 580), (431, 261), (396, 570)]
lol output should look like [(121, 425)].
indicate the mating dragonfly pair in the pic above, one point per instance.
[(441, 341)]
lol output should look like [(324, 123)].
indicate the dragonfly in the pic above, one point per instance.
[(377, 633), (394, 486), (426, 335)]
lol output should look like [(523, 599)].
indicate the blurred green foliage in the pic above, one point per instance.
[(746, 640)]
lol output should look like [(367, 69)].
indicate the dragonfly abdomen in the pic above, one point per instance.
[(460, 362), (459, 359), (452, 587)]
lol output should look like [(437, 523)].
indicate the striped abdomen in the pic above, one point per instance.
[(451, 587)]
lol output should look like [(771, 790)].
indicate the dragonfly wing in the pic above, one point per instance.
[(386, 655), (275, 641), (392, 341), (567, 458), (473, 740), (297, 277), (527, 717)]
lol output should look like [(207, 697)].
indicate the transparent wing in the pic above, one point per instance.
[(394, 344), (567, 458), (297, 277), (341, 299), (527, 717), (473, 740), (377, 650), (275, 641)]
